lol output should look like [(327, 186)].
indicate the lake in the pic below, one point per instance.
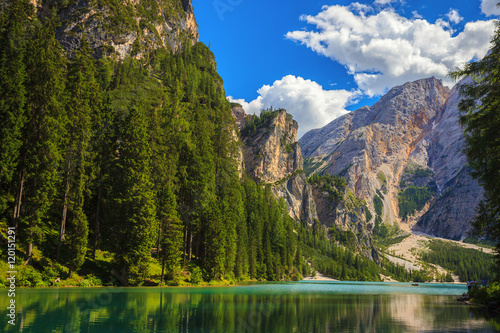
[(312, 306)]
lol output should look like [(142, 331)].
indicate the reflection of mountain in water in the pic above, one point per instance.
[(259, 309)]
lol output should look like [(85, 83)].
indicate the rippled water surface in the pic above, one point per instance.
[(263, 307)]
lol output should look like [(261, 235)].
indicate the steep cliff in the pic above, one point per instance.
[(459, 193), (372, 146), (403, 156), (124, 27), (273, 156)]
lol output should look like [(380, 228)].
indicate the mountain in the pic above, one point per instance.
[(403, 157), (271, 155), (124, 28)]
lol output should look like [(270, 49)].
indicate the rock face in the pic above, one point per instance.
[(271, 151), (131, 28), (410, 141), (459, 193), (273, 156)]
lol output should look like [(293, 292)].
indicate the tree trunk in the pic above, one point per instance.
[(185, 243), (96, 227), (62, 230), (29, 254), (158, 243), (162, 268), (190, 245), (17, 207)]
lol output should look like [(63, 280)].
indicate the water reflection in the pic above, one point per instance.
[(262, 308)]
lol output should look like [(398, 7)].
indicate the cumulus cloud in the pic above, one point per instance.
[(454, 17), (490, 8), (310, 104), (385, 49)]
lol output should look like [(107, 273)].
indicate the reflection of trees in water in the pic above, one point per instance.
[(219, 310)]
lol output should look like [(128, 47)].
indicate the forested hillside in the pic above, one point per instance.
[(126, 157)]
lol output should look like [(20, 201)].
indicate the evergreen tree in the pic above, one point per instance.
[(15, 27), (82, 109), (133, 196), (43, 134), (480, 119)]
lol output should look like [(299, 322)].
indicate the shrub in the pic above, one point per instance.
[(196, 275), (93, 280), (27, 276)]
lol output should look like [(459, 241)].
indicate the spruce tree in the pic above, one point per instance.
[(15, 29), (83, 103), (480, 119), (41, 153), (135, 218)]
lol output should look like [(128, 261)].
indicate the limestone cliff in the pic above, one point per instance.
[(459, 193), (273, 156), (403, 156), (371, 147), (124, 27)]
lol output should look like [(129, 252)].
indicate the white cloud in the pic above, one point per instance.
[(383, 2), (385, 49), (416, 15), (490, 8), (310, 104), (454, 17)]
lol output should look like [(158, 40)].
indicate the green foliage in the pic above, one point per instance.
[(380, 230), (27, 276), (367, 212), (480, 121), (333, 184), (342, 264), (196, 275), (481, 242), (378, 204), (385, 242), (413, 199), (255, 122), (399, 273), (486, 295), (139, 161), (13, 99), (466, 263)]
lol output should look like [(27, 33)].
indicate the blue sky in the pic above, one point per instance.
[(321, 59)]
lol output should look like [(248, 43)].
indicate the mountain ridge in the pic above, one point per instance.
[(413, 130)]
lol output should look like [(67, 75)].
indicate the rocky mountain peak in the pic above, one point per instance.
[(132, 28), (273, 156), (371, 147), (403, 156), (271, 150)]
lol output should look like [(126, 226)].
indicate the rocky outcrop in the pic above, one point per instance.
[(410, 139), (453, 211), (132, 28), (371, 147), (459, 193), (271, 150), (273, 156)]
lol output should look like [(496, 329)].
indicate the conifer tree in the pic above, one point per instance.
[(82, 108), (43, 134), (480, 119), (15, 29), (135, 218)]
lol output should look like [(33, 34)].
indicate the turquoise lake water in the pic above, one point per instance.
[(263, 307)]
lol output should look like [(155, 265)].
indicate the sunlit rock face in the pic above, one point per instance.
[(273, 156), (134, 28), (411, 137)]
